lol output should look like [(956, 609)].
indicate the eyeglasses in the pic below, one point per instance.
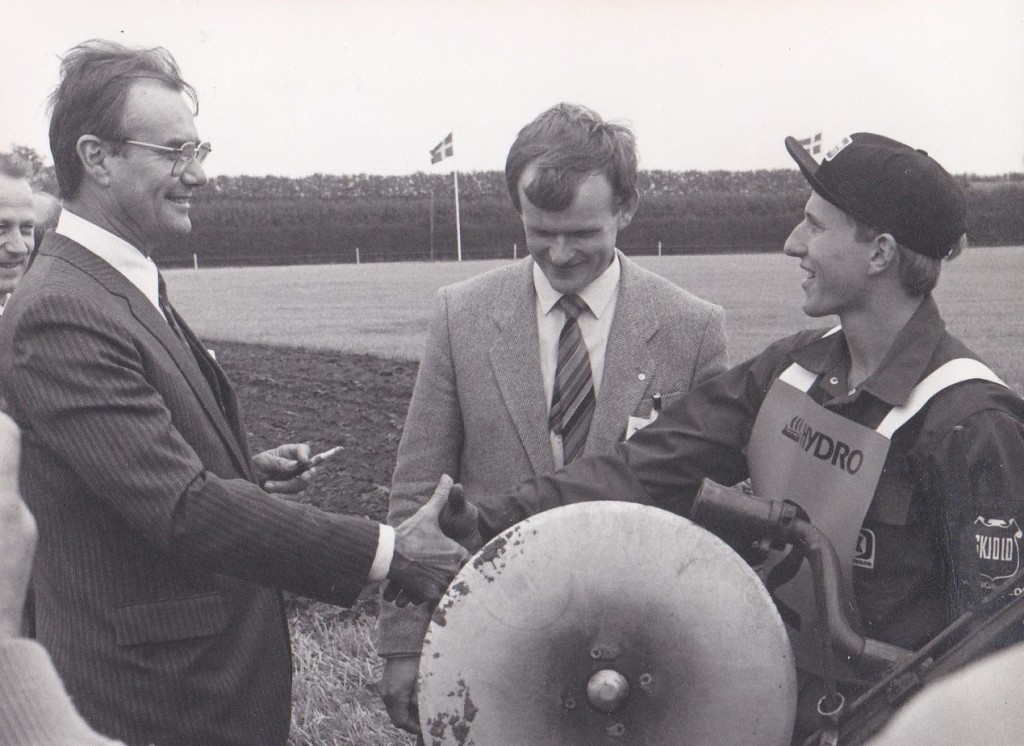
[(187, 153)]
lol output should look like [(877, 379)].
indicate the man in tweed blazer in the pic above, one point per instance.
[(480, 407), (159, 554)]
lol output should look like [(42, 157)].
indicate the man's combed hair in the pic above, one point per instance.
[(919, 274), (95, 78), (13, 166), (567, 143)]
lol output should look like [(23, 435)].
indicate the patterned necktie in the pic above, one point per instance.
[(165, 306), (572, 402)]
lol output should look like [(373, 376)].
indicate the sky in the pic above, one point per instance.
[(354, 86)]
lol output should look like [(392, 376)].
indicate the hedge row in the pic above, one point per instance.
[(273, 220)]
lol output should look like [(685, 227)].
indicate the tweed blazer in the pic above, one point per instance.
[(159, 559), (478, 409)]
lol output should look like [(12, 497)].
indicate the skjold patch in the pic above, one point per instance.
[(997, 542)]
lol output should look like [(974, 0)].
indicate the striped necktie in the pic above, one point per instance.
[(165, 306), (572, 401)]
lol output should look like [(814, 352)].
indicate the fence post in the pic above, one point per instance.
[(195, 261), (357, 255), (659, 248), (515, 250)]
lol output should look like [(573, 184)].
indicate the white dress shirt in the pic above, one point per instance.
[(142, 272), (136, 267), (601, 295)]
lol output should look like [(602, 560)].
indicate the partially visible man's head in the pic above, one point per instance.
[(567, 143), (47, 210), (119, 117), (17, 220), (572, 177)]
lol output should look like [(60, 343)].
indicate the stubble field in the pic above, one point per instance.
[(328, 355)]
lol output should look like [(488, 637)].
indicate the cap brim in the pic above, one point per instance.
[(809, 168), (803, 159)]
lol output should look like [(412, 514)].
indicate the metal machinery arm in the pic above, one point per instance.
[(731, 511)]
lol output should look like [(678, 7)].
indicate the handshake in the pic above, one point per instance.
[(432, 545)]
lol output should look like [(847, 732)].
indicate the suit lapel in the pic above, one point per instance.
[(515, 360), (628, 364), (227, 391), (150, 318)]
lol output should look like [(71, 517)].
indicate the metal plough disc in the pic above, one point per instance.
[(606, 623)]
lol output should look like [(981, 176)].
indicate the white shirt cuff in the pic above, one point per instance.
[(385, 549)]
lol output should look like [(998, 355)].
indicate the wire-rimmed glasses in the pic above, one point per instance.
[(186, 153)]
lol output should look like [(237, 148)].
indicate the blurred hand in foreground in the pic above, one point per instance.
[(460, 520), (17, 533), (425, 560), (398, 690), (284, 469)]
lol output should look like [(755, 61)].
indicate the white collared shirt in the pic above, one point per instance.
[(136, 267), (142, 272), (601, 296)]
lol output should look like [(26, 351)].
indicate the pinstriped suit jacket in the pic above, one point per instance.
[(478, 409), (158, 556)]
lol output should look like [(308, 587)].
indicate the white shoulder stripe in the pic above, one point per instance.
[(954, 372), (798, 377)]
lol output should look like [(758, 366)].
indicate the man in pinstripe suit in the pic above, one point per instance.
[(159, 555)]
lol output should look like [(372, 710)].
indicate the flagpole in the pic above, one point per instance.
[(431, 225), (458, 222), (446, 149)]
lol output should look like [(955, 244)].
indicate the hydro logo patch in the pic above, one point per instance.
[(823, 446), (997, 542), (838, 148), (794, 429), (865, 554)]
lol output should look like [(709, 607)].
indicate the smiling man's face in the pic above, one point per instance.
[(17, 219), (575, 245), (148, 206), (834, 260)]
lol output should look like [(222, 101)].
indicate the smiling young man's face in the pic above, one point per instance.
[(835, 262), (574, 246), (17, 219)]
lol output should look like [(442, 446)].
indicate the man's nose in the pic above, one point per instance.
[(194, 174), (559, 250), (794, 245), (16, 245)]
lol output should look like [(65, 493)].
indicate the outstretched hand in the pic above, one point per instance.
[(460, 520), (425, 560)]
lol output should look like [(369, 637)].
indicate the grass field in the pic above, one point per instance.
[(331, 397), (383, 309)]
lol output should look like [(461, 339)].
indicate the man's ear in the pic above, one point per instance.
[(628, 209), (94, 154), (884, 254)]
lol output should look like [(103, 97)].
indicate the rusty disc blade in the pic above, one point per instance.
[(606, 623)]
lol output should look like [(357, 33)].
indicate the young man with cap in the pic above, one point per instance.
[(902, 446)]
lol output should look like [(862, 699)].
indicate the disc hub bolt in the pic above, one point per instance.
[(607, 690)]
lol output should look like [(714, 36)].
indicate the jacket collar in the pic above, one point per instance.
[(902, 368)]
